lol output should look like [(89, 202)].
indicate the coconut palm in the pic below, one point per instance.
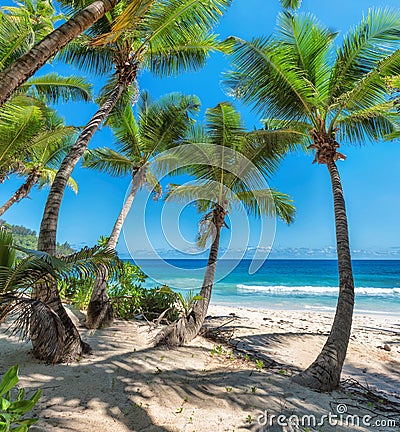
[(159, 126), (230, 166), (299, 81), (34, 319), (48, 144), (168, 37)]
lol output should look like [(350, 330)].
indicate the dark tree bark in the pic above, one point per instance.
[(74, 347), (187, 328), (22, 191), (100, 312), (324, 373), (23, 68)]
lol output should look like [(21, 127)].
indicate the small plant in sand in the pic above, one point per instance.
[(259, 364), (12, 410)]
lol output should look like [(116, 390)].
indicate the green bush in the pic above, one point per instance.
[(127, 294), (12, 411)]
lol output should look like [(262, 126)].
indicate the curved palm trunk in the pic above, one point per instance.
[(100, 312), (187, 328), (324, 373), (74, 347), (48, 227), (23, 68), (22, 191)]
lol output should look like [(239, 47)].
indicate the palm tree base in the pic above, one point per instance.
[(322, 375), (100, 314), (177, 333)]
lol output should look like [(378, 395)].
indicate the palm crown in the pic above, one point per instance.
[(301, 83), (230, 166), (164, 37), (159, 126)]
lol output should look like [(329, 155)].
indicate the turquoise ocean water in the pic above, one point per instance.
[(285, 284)]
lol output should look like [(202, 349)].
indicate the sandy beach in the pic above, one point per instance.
[(126, 385)]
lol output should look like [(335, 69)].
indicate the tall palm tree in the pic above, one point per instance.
[(159, 126), (167, 37), (299, 81), (230, 166)]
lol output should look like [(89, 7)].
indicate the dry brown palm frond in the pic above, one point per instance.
[(33, 319)]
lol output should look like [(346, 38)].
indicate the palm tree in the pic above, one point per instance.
[(34, 319), (48, 145), (230, 166), (168, 38), (160, 125), (300, 82)]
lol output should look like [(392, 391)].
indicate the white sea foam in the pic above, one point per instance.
[(316, 290)]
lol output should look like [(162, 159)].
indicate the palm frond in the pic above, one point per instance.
[(32, 319), (109, 161), (7, 253), (266, 76), (368, 124), (55, 88), (310, 43), (290, 4), (16, 36), (267, 202), (166, 20), (186, 53), (376, 37)]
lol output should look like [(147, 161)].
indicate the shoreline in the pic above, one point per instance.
[(311, 309)]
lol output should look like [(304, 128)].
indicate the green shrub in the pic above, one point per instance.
[(157, 300), (127, 294), (12, 411)]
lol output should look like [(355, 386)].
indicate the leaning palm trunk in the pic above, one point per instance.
[(48, 227), (100, 312), (74, 346), (187, 328), (22, 192), (324, 373), (23, 68)]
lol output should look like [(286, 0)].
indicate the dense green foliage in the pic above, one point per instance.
[(12, 409), (126, 291), (27, 238)]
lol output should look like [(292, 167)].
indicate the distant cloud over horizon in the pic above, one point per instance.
[(328, 252)]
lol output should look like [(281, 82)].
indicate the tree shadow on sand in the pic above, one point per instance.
[(127, 385)]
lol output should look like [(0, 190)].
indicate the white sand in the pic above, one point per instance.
[(126, 385)]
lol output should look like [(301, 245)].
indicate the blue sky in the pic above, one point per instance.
[(370, 175)]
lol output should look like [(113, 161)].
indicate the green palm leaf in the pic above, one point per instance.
[(55, 88)]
